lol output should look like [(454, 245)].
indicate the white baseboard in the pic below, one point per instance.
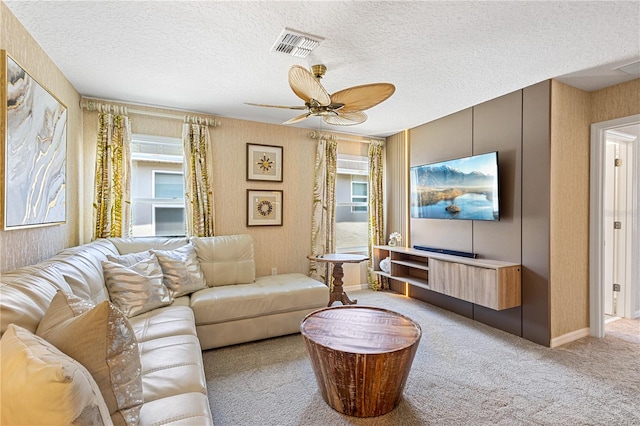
[(569, 337)]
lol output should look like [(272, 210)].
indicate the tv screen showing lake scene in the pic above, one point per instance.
[(464, 188)]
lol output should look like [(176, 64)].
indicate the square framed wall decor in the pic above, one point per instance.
[(264, 162), (264, 208), (33, 150)]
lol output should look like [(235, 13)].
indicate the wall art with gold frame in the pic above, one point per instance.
[(264, 162), (264, 207), (33, 150)]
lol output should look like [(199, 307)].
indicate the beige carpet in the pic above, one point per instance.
[(464, 373)]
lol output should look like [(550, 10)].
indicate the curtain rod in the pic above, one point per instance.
[(91, 105), (316, 135)]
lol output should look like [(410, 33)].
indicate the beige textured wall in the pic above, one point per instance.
[(621, 100), (569, 209), (27, 246), (284, 247), (572, 113)]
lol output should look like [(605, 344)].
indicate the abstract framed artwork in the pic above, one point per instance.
[(264, 208), (264, 162), (34, 151)]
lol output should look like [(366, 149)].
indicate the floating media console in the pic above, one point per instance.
[(445, 251), (490, 283)]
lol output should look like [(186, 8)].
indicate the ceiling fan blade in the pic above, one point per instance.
[(276, 106), (346, 119), (360, 98), (298, 118), (306, 87)]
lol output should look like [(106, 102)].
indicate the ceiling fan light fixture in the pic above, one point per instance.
[(296, 43)]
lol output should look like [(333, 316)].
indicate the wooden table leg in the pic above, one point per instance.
[(338, 294)]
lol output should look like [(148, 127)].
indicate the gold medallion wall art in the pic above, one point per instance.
[(264, 162), (264, 208)]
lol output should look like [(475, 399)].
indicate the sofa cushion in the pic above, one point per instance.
[(138, 244), (170, 366), (226, 259), (41, 385), (26, 294), (186, 409), (181, 270), (82, 269), (164, 322), (268, 295), (137, 288), (103, 341)]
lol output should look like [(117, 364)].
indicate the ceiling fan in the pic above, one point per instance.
[(343, 108)]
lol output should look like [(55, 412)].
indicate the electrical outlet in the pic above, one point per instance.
[(274, 271)]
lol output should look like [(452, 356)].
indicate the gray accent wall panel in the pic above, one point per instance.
[(536, 163), (446, 138), (497, 126), (516, 125)]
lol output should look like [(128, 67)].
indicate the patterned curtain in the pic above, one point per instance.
[(198, 175), (376, 210), (113, 173), (323, 221)]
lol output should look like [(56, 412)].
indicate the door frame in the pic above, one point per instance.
[(596, 223)]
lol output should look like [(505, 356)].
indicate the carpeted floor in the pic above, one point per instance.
[(464, 373)]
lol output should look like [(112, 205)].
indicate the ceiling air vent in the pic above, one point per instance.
[(295, 43)]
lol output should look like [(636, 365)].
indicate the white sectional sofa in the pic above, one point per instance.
[(229, 306)]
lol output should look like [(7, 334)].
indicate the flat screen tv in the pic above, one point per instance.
[(464, 188)]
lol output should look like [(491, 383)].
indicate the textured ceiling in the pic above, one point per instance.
[(211, 57)]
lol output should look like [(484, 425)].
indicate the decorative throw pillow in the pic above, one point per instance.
[(103, 341), (130, 259), (181, 270), (137, 288), (41, 385), (63, 306)]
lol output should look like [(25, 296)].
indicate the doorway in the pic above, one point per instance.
[(614, 224)]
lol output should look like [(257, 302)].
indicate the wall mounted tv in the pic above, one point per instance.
[(464, 188)]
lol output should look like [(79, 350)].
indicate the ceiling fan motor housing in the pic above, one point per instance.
[(318, 70)]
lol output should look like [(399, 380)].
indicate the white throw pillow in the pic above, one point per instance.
[(181, 270), (43, 386), (130, 258), (104, 342), (137, 288)]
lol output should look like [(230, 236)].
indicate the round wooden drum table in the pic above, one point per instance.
[(361, 356)]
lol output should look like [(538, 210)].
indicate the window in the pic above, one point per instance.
[(352, 204), (168, 184), (168, 220), (157, 186), (359, 195)]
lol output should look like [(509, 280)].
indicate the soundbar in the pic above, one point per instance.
[(445, 251)]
